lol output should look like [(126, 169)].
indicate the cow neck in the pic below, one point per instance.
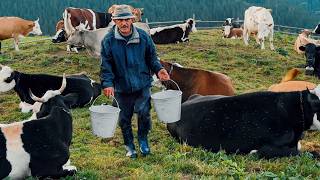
[(302, 111), (18, 77)]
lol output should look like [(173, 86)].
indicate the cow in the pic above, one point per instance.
[(196, 81), (303, 39), (75, 17), (39, 147), (258, 20), (173, 34), (15, 27), (137, 12), (60, 35), (268, 123), (80, 90), (287, 84), (231, 32), (312, 54), (91, 40), (231, 22)]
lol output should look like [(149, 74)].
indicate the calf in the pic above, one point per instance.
[(269, 123), (38, 147), (258, 20), (230, 32), (312, 54), (173, 34), (61, 35), (15, 27), (82, 88), (197, 81)]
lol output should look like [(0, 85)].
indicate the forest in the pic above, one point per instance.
[(298, 13)]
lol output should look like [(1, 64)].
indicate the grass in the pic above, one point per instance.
[(250, 69)]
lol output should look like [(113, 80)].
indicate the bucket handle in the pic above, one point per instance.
[(174, 83), (112, 98)]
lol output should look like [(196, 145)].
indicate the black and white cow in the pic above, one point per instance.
[(268, 123), (231, 22), (173, 34), (312, 54), (80, 90), (39, 147)]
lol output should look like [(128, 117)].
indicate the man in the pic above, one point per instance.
[(128, 59)]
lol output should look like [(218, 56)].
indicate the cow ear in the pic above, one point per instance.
[(302, 48), (314, 103)]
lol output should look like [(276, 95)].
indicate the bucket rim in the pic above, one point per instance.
[(117, 110), (179, 93)]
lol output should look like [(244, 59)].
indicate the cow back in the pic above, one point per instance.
[(14, 26)]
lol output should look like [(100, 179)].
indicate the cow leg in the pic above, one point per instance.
[(51, 168), (271, 40), (68, 48), (262, 43), (246, 36), (0, 47), (272, 151), (16, 43)]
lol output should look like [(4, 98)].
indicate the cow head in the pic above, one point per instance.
[(43, 105), (227, 30), (7, 81), (311, 52), (264, 30), (61, 36), (317, 29), (228, 22), (191, 23), (76, 38), (36, 28)]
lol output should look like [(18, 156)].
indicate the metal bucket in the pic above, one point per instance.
[(167, 104), (104, 119)]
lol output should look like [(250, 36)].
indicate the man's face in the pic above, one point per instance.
[(124, 25)]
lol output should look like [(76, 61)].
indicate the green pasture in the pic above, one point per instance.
[(250, 69)]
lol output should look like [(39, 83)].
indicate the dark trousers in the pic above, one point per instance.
[(138, 102)]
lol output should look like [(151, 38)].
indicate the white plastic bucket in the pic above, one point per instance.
[(167, 105), (104, 119)]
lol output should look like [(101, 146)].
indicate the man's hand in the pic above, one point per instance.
[(109, 91), (163, 75)]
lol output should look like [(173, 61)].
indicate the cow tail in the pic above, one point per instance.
[(291, 74)]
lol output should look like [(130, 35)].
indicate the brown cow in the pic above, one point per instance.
[(287, 85), (15, 27), (196, 81)]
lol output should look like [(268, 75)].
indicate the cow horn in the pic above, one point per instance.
[(35, 98), (64, 83)]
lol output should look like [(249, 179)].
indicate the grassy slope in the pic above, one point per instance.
[(250, 68)]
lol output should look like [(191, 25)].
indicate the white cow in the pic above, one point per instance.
[(258, 20)]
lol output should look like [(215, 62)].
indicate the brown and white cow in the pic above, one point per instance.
[(15, 27), (304, 39), (231, 32), (258, 20)]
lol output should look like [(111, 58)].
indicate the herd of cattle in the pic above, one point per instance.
[(270, 123)]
